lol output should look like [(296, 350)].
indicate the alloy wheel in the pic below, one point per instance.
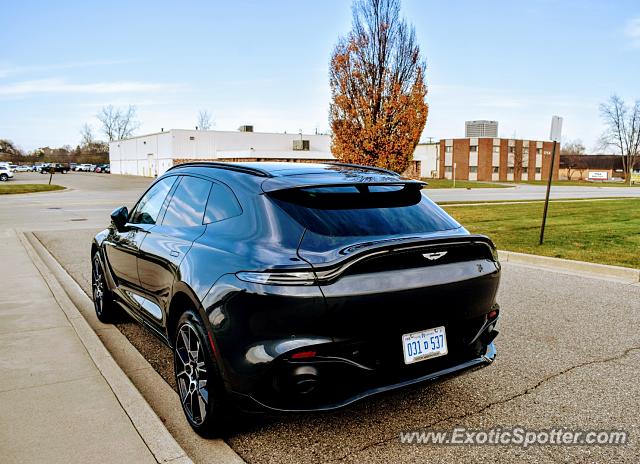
[(191, 374), (98, 286)]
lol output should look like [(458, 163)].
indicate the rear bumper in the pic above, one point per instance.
[(354, 339), (366, 385)]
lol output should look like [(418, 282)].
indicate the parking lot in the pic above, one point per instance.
[(568, 356)]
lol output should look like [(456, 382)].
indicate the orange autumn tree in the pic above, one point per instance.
[(378, 111)]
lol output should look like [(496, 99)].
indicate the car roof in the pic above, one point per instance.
[(273, 176), (281, 168)]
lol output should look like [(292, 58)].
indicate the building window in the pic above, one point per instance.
[(473, 148), (448, 149), (525, 151), (525, 170), (510, 170), (512, 149), (473, 169), (538, 151), (448, 169), (538, 170), (496, 149), (496, 169)]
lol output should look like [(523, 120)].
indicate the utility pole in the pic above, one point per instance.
[(556, 130), (454, 175)]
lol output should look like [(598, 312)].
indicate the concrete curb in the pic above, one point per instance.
[(150, 428), (624, 274), (162, 399)]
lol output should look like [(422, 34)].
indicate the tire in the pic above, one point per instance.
[(204, 405), (4, 177), (106, 309)]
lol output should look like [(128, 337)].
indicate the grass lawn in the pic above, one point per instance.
[(606, 232), (8, 188), (466, 184)]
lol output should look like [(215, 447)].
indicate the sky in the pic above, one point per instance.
[(266, 63)]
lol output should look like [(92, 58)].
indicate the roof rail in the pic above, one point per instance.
[(228, 166), (369, 168)]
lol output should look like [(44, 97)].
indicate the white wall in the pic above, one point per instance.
[(209, 144), (148, 155), (428, 154)]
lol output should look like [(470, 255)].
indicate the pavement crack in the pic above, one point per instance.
[(527, 391)]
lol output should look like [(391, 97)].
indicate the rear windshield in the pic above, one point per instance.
[(362, 210)]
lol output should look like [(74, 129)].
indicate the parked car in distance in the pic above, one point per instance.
[(83, 168), (22, 168), (103, 168), (55, 167), (37, 167), (73, 166), (5, 173), (295, 286)]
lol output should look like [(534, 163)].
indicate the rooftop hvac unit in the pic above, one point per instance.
[(245, 128), (301, 145)]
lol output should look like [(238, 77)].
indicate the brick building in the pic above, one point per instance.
[(497, 159)]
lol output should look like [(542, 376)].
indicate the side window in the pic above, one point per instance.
[(222, 204), (188, 203), (148, 208)]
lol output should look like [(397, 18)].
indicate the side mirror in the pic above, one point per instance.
[(119, 217)]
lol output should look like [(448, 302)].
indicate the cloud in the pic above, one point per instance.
[(61, 86), (632, 30), (7, 69)]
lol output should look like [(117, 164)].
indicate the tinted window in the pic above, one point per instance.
[(148, 208), (222, 204), (188, 203), (364, 211)]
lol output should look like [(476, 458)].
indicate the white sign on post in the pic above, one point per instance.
[(556, 128), (598, 175)]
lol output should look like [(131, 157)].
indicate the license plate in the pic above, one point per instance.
[(427, 344)]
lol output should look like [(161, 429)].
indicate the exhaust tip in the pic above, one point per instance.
[(304, 380)]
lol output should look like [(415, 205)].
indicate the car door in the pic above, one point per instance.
[(122, 248), (167, 243)]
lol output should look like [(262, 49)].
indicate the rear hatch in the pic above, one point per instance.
[(390, 262)]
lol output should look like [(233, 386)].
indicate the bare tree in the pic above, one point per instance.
[(205, 121), (118, 123), (575, 147), (86, 135), (622, 131), (572, 157)]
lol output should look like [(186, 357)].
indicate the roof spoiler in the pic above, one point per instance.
[(275, 184)]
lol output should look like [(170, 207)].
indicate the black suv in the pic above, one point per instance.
[(55, 167), (297, 287)]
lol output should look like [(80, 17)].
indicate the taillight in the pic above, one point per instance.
[(303, 354), (278, 278)]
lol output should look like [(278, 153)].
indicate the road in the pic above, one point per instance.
[(529, 192), (568, 356)]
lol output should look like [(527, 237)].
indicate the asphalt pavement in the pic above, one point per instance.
[(530, 192), (568, 356)]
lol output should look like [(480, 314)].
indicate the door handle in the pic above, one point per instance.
[(174, 253)]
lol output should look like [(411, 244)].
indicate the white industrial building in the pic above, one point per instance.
[(429, 156), (151, 155)]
